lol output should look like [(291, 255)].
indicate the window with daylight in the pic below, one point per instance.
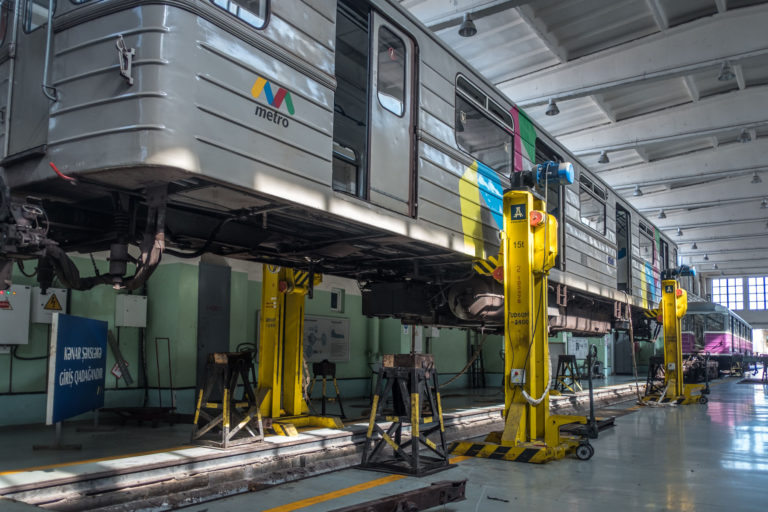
[(483, 128), (253, 12), (757, 286), (728, 292), (391, 81)]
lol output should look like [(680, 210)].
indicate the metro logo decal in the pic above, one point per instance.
[(275, 100)]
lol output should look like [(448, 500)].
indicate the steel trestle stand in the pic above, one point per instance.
[(228, 421), (411, 381)]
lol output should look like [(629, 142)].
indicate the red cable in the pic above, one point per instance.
[(61, 175)]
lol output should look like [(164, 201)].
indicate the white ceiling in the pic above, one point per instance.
[(639, 79)]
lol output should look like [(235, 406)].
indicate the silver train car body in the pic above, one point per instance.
[(339, 137)]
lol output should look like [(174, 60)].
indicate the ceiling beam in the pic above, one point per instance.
[(711, 116), (679, 51), (437, 16), (540, 30), (728, 159), (658, 14)]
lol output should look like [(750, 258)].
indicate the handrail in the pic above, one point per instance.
[(46, 64)]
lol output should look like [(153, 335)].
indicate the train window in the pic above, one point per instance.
[(715, 322), (470, 91), (646, 243), (592, 200), (6, 7), (728, 292), (500, 114), (36, 14), (253, 12), (391, 79), (664, 255), (756, 289), (481, 137)]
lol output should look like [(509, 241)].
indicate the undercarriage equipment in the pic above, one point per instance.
[(281, 350), (529, 241), (674, 304), (411, 382)]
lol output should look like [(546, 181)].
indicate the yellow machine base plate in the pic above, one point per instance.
[(288, 426), (535, 453)]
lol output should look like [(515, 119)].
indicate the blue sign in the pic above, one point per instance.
[(517, 211), (77, 366)]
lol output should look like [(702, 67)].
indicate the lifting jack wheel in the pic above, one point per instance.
[(703, 399), (585, 451)]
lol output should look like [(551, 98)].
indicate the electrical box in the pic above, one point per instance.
[(14, 315), (44, 305), (130, 310), (517, 376)]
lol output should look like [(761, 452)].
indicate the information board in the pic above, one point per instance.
[(326, 338), (77, 367), (579, 347)]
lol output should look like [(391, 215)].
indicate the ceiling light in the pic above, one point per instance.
[(764, 204), (603, 158), (756, 179), (637, 192), (679, 232), (552, 109), (662, 215), (726, 73), (467, 27), (694, 246), (715, 267), (745, 137), (706, 257)]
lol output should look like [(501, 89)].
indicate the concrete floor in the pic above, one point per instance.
[(16, 443), (688, 458)]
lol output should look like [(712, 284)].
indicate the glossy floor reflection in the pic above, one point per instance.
[(689, 458)]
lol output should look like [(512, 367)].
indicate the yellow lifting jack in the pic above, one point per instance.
[(674, 305), (529, 247), (280, 382)]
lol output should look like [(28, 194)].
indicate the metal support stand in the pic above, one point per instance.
[(674, 304), (281, 351), (411, 380), (567, 375), (529, 246), (326, 369), (228, 421)]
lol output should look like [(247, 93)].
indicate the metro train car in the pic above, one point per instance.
[(710, 327), (340, 137)]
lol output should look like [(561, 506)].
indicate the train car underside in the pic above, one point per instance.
[(400, 276)]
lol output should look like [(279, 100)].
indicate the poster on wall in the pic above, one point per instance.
[(77, 367), (579, 347), (326, 338)]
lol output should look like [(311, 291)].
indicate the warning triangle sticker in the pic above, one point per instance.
[(53, 304)]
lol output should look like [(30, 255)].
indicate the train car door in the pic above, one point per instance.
[(391, 143), (29, 107)]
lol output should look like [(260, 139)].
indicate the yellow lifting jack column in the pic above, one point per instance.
[(529, 247), (281, 351), (674, 305)]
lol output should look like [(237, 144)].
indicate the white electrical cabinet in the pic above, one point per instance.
[(44, 305), (14, 315), (130, 310)]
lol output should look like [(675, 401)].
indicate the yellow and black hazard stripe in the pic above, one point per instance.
[(300, 278), (487, 266), (652, 313), (499, 452)]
